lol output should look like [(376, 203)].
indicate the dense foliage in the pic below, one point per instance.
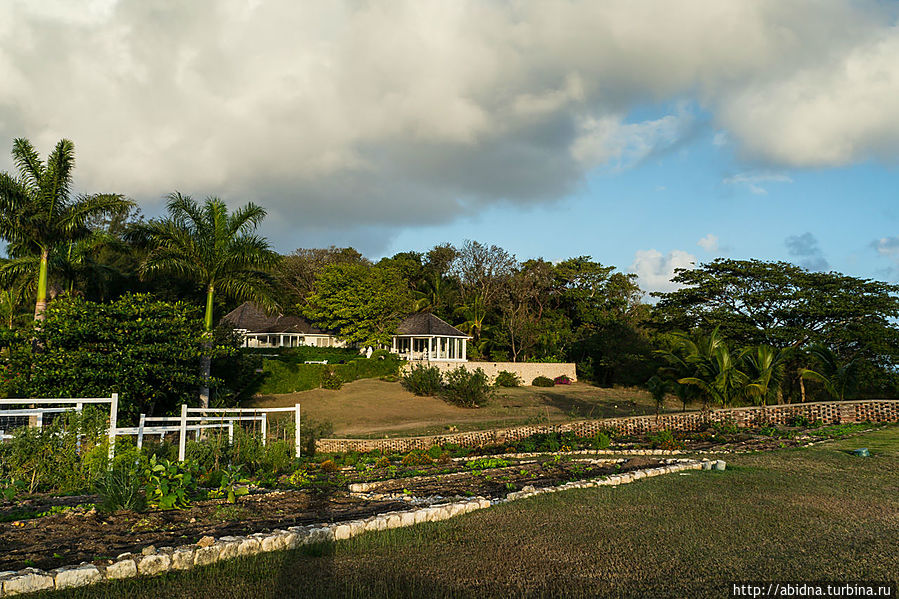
[(145, 350)]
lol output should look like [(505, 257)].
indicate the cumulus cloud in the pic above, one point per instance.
[(805, 247), (350, 120), (709, 243), (754, 181), (655, 269)]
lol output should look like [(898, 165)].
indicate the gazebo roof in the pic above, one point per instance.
[(249, 317), (425, 324)]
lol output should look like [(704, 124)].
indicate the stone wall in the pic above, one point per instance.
[(528, 371), (884, 410)]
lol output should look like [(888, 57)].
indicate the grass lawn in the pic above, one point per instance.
[(816, 514), (375, 408)]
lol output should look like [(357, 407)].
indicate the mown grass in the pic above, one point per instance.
[(817, 514)]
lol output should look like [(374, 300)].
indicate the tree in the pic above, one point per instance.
[(481, 271), (296, 272), (38, 216), (779, 304), (217, 250), (764, 367), (835, 375), (717, 374), (361, 304), (141, 348)]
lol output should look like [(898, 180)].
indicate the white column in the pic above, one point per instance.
[(430, 342), (464, 349), (437, 340), (297, 444)]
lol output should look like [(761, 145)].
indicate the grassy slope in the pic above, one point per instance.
[(376, 408), (809, 514)]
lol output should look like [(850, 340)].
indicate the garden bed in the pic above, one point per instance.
[(81, 533)]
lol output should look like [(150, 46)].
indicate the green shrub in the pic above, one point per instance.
[(562, 380), (379, 354), (423, 380), (485, 463), (507, 379), (466, 388), (663, 440), (330, 379), (542, 381)]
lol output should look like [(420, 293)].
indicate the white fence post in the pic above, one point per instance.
[(140, 431), (297, 432), (113, 418), (264, 427), (182, 437)]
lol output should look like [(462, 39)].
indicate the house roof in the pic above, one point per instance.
[(426, 324), (249, 317)]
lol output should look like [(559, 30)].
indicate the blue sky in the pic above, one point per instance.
[(648, 134)]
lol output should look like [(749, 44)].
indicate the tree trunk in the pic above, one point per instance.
[(41, 303), (802, 388), (206, 359)]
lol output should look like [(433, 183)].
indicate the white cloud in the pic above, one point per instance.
[(754, 180), (709, 243), (349, 118), (654, 269)]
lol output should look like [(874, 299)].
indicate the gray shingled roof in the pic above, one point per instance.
[(250, 317), (425, 323)]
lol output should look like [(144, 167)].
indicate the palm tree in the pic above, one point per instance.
[(764, 366), (37, 214), (836, 376), (717, 375), (220, 251)]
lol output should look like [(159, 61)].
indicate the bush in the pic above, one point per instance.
[(170, 484), (330, 379), (542, 381), (467, 389), (379, 354), (507, 379), (663, 440), (423, 380), (562, 380)]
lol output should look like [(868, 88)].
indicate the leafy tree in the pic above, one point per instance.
[(296, 272), (360, 303), (218, 250), (482, 272), (717, 375), (144, 349), (38, 216), (658, 387)]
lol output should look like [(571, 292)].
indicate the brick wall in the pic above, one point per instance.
[(528, 371), (884, 410)]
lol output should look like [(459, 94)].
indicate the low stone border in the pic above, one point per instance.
[(153, 561)]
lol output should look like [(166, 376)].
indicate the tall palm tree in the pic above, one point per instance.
[(217, 250), (717, 374), (37, 212)]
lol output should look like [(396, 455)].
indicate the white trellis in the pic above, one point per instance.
[(67, 404), (213, 415)]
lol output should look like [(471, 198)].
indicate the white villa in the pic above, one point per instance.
[(419, 337), (261, 330)]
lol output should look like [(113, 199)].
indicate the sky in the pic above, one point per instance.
[(650, 135)]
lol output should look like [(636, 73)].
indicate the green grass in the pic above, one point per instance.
[(816, 514)]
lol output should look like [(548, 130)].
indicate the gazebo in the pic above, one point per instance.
[(424, 337)]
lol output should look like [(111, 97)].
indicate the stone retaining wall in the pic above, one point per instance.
[(883, 410), (153, 561), (528, 371)]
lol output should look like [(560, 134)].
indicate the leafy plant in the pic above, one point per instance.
[(169, 484), (562, 380), (601, 441), (466, 388), (542, 381), (507, 379), (486, 463), (9, 488), (423, 380), (232, 485)]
